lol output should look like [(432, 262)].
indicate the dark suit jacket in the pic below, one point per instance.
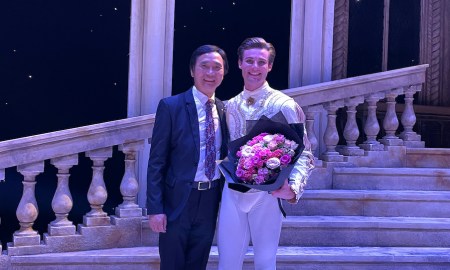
[(175, 152)]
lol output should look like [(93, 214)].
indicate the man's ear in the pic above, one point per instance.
[(240, 64), (270, 66), (192, 73)]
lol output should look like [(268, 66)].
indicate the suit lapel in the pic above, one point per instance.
[(193, 117)]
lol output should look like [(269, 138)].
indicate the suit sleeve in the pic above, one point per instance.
[(159, 159), (305, 164)]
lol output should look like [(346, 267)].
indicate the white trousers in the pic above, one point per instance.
[(242, 216)]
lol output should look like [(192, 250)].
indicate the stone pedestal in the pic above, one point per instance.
[(372, 146), (391, 141), (26, 240), (332, 157), (96, 221), (128, 212), (61, 230), (350, 151)]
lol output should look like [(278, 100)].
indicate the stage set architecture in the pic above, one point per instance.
[(380, 200)]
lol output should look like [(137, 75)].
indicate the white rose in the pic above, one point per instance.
[(273, 163), (293, 145), (268, 138), (247, 151)]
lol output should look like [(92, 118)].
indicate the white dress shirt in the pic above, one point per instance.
[(200, 100)]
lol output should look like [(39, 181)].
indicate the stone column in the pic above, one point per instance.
[(150, 72), (310, 113), (331, 137), (311, 49), (372, 127), (351, 130), (390, 121), (129, 186), (435, 51), (27, 211), (62, 201), (97, 193), (408, 119), (340, 39)]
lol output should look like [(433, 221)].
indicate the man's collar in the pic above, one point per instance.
[(200, 96), (257, 92)]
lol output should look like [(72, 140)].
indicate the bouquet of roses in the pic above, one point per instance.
[(264, 157)]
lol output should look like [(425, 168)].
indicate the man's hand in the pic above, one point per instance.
[(158, 223), (284, 192)]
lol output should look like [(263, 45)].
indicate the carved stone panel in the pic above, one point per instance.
[(434, 50)]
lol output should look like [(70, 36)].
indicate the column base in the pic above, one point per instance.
[(96, 221), (26, 240), (392, 142), (332, 157), (372, 146), (128, 212), (61, 230), (350, 151)]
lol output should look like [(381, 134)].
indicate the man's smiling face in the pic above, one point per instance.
[(255, 67)]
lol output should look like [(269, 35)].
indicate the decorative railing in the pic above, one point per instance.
[(62, 148), (124, 229), (351, 92)]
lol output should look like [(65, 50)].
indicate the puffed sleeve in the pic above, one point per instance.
[(305, 164)]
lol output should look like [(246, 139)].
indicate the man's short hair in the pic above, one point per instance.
[(208, 49), (256, 42)]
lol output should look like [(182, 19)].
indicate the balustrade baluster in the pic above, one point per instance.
[(129, 187), (408, 119), (372, 127), (27, 211), (331, 136), (351, 130), (390, 121), (97, 193), (310, 113), (62, 201)]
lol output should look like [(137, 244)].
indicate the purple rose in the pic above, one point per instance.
[(255, 160), (239, 172), (285, 159)]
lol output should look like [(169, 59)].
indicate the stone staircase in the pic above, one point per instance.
[(351, 217)]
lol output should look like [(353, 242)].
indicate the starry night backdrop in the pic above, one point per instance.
[(64, 64)]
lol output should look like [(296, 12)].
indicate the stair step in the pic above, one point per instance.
[(428, 157), (305, 258), (365, 231), (387, 203), (354, 231), (391, 178)]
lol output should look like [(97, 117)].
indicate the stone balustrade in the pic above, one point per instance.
[(351, 92), (96, 141), (62, 149)]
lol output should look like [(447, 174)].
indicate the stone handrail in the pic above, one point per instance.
[(96, 141)]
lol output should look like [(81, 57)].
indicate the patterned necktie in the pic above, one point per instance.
[(210, 151)]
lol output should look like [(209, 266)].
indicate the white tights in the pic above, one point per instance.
[(242, 216)]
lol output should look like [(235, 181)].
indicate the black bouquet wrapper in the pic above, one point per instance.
[(276, 124)]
